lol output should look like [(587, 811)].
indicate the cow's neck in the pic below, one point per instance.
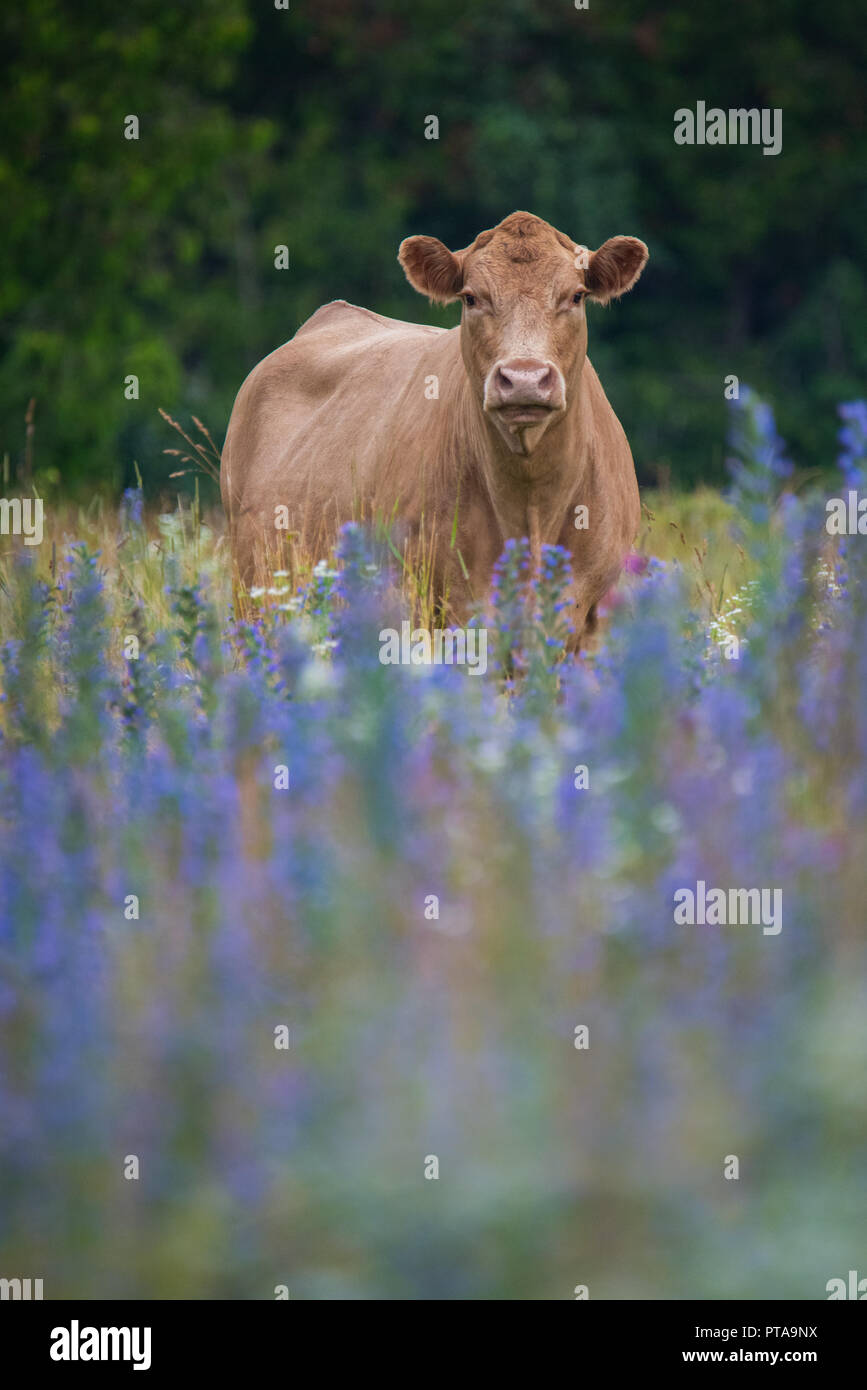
[(531, 494)]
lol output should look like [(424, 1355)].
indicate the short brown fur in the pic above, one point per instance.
[(336, 424)]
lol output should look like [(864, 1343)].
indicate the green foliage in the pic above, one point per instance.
[(305, 127)]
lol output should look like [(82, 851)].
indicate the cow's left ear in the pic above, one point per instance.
[(431, 268), (615, 267)]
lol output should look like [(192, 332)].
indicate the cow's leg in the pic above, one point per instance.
[(585, 617)]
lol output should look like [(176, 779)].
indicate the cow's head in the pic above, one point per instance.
[(523, 327)]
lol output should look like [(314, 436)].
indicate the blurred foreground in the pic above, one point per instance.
[(286, 1000)]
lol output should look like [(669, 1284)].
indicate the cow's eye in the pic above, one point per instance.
[(576, 298), (469, 300)]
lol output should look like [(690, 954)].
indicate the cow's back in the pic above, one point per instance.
[(316, 421)]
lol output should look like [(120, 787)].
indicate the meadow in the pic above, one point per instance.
[(354, 981)]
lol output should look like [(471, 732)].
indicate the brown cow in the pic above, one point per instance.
[(498, 427)]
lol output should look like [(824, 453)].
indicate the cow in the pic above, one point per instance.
[(459, 438)]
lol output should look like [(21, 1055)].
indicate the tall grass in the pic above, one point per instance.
[(430, 908)]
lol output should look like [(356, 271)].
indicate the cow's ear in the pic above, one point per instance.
[(615, 267), (431, 268)]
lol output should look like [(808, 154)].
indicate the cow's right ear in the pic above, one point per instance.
[(431, 268)]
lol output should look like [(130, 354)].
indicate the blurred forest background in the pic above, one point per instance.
[(305, 127)]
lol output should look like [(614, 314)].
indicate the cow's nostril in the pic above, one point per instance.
[(524, 381)]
